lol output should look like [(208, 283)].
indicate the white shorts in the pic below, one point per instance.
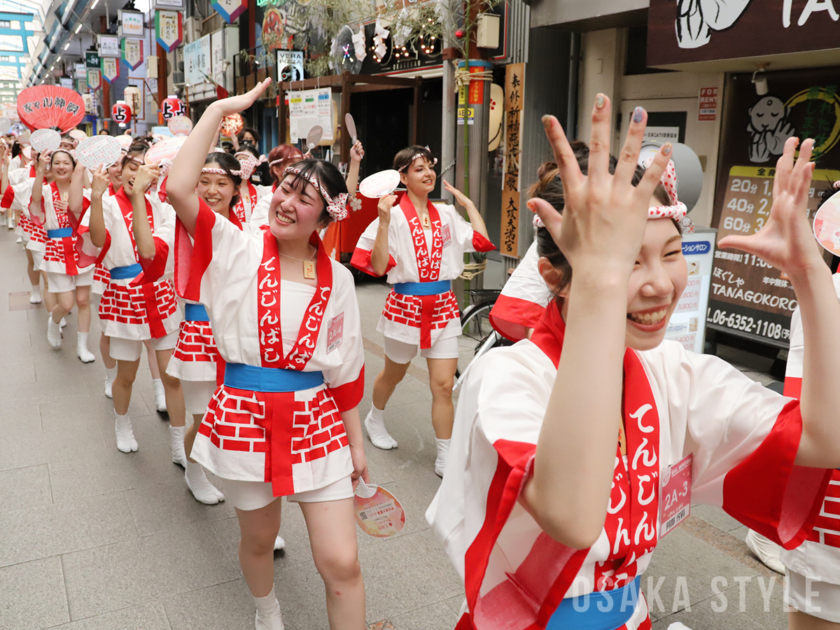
[(823, 600), (197, 395), (401, 352), (62, 283), (254, 495), (131, 349)]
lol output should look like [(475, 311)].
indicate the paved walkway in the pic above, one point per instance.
[(92, 539)]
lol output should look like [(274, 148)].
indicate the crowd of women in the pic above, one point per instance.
[(557, 463)]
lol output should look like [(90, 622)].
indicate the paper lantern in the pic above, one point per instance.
[(170, 107), (121, 112), (50, 106)]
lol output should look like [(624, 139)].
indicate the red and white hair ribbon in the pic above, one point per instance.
[(248, 163), (677, 210), (336, 206)]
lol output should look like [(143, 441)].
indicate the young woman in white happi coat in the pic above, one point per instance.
[(549, 508), (139, 303), (285, 422), (421, 248), (60, 206)]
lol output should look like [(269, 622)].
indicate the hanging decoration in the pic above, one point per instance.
[(110, 69), (171, 107), (343, 52), (50, 106), (359, 44), (121, 112), (131, 53), (380, 34), (169, 29), (230, 9), (94, 78)]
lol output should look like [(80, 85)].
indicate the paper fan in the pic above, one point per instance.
[(380, 184), (45, 140), (50, 106), (827, 224), (96, 151), (165, 149), (125, 141)]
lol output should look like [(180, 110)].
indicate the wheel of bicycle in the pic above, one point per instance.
[(475, 327)]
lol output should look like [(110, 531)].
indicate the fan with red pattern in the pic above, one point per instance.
[(50, 107)]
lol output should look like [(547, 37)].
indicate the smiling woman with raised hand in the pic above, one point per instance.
[(570, 448), (285, 421)]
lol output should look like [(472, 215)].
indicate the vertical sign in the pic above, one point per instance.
[(511, 198), (94, 78), (197, 61), (110, 69), (131, 24), (169, 29), (707, 110), (132, 52)]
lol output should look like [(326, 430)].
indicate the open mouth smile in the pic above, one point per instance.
[(651, 319)]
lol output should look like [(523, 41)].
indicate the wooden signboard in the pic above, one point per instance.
[(511, 196)]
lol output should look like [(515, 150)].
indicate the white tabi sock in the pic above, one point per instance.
[(160, 394), (176, 444), (35, 294), (85, 355), (110, 375), (53, 333), (378, 434), (125, 435), (442, 454), (200, 486), (268, 613)]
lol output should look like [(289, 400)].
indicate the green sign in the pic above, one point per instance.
[(91, 60)]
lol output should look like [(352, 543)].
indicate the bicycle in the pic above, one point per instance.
[(475, 326)]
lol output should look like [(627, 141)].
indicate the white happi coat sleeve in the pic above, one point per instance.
[(346, 382), (361, 256), (18, 176), (818, 558), (523, 299), (743, 438), (463, 234), (259, 213)]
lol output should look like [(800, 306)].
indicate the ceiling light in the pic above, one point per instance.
[(93, 6), (78, 28), (66, 46)]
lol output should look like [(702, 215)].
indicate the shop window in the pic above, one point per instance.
[(636, 57), (5, 24), (11, 42)]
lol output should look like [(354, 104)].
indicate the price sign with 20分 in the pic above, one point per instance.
[(749, 297)]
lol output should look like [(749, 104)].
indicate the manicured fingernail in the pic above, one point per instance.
[(546, 121), (600, 101), (666, 148), (638, 114)]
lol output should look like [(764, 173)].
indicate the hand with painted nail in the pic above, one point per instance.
[(786, 241), (604, 218)]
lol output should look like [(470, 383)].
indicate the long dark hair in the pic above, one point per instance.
[(328, 177), (228, 164), (549, 187)]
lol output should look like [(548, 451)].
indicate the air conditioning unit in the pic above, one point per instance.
[(192, 29)]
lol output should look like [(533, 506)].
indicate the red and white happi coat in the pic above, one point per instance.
[(70, 255), (247, 204), (143, 307), (196, 356), (295, 440), (16, 199), (418, 255), (742, 436), (101, 276), (818, 558), (523, 299)]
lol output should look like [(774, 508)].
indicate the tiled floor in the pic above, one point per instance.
[(92, 539)]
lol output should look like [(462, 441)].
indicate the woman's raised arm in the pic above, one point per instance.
[(186, 169), (98, 231), (38, 185)]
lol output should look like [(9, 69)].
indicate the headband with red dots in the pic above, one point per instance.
[(336, 206)]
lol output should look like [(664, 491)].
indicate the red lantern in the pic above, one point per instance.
[(121, 112), (171, 107)]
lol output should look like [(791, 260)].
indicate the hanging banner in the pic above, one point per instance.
[(109, 46), (131, 24), (94, 78), (750, 298), (81, 85), (230, 9), (169, 29), (511, 197), (132, 53), (110, 69)]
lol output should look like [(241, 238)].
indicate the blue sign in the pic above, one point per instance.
[(694, 248)]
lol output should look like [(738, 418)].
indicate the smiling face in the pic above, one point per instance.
[(419, 177), (115, 175), (766, 113), (128, 173), (295, 210), (216, 190), (62, 166), (656, 284)]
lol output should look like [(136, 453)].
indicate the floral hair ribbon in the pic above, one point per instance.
[(336, 206)]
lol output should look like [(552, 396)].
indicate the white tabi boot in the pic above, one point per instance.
[(85, 355), (53, 333), (110, 375), (125, 435), (176, 444), (378, 434), (442, 454), (268, 613), (160, 394), (35, 294), (201, 488)]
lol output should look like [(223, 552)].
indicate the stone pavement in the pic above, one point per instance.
[(92, 539)]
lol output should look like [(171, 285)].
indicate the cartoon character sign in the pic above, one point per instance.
[(769, 127), (697, 19)]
